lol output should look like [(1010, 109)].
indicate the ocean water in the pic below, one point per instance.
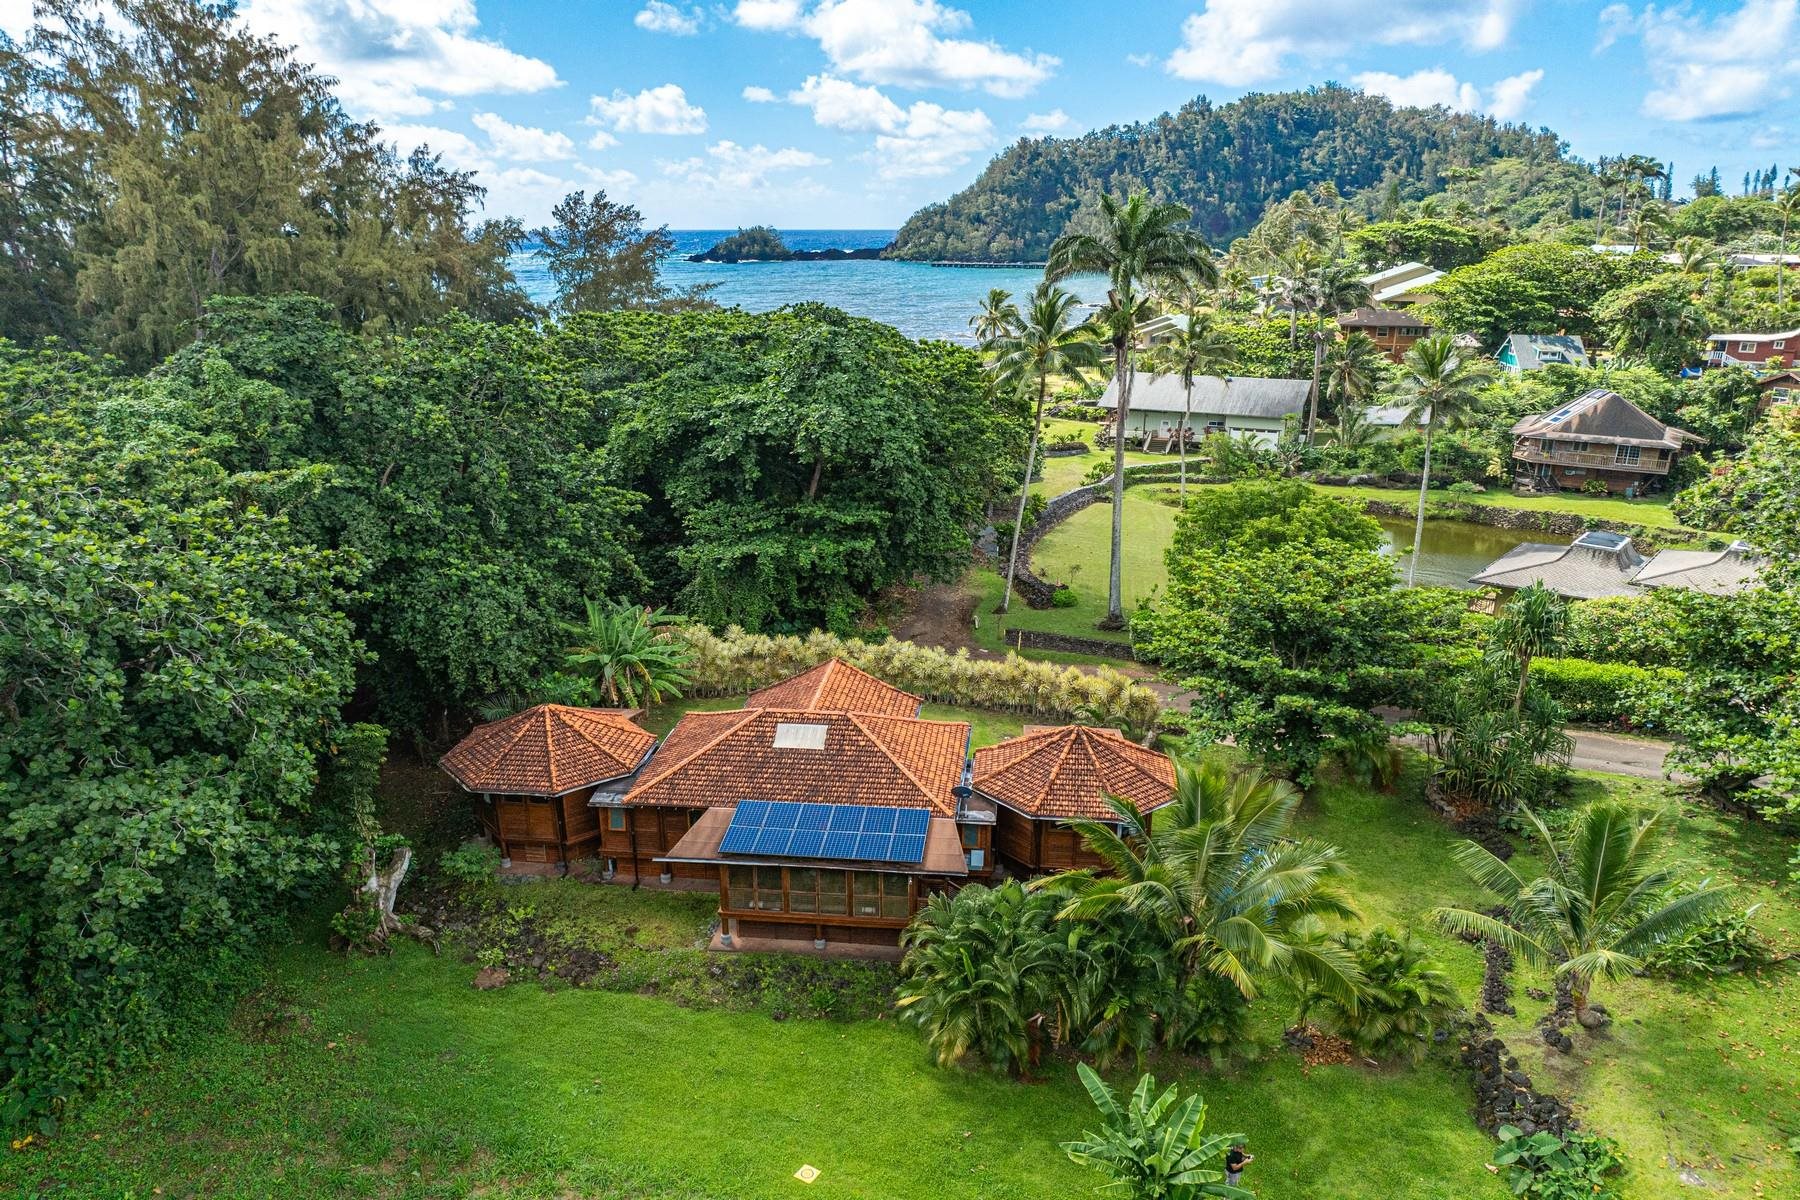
[(920, 300)]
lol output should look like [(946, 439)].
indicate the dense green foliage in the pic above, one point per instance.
[(175, 658), (1534, 288), (170, 156), (1547, 1166), (1226, 162), (796, 463), (1600, 693), (1154, 1147), (1405, 995), (1282, 617), (759, 243)]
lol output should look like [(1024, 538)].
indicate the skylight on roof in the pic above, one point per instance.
[(1599, 539), (792, 735)]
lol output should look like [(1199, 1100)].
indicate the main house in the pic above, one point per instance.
[(1755, 350), (1599, 563), (1403, 286), (1598, 436), (826, 811), (1233, 404)]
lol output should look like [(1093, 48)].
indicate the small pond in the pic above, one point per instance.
[(1454, 550)]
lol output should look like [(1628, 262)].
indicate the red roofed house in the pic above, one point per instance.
[(1047, 776), (836, 686), (536, 772)]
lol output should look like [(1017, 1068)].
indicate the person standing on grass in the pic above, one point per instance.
[(1235, 1162)]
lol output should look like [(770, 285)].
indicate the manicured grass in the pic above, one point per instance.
[(1652, 511)]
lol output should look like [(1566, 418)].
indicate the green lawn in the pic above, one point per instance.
[(1652, 511)]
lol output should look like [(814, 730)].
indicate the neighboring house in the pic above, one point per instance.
[(1600, 435), (1235, 404), (1388, 418), (1390, 329), (1783, 387), (1402, 286), (1600, 564), (1160, 329), (1756, 350), (536, 774), (1046, 776), (1529, 351)]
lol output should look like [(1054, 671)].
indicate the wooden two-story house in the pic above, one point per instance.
[(1392, 331), (1598, 436)]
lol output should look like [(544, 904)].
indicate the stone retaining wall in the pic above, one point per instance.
[(1037, 639)]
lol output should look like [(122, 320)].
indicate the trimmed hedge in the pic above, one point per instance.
[(1599, 693)]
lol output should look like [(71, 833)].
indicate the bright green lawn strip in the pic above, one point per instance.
[(1652, 511)]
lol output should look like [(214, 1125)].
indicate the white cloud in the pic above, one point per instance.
[(1505, 101), (399, 58), (907, 43), (522, 143), (921, 140), (1241, 42), (662, 109), (1141, 60), (729, 167), (1048, 122), (459, 150), (15, 18), (659, 16), (767, 14), (759, 95), (1731, 65), (529, 192), (840, 104), (602, 140)]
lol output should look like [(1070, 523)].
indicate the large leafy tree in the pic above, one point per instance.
[(1657, 320), (1030, 349), (174, 659), (1600, 906), (1140, 246), (1538, 287), (797, 462), (1281, 617), (601, 257)]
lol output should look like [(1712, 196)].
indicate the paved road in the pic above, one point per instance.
[(1642, 757)]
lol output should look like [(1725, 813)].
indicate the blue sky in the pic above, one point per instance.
[(852, 113)]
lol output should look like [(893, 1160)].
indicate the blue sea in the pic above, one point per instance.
[(920, 300)]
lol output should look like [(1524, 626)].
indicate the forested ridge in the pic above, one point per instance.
[(1225, 162)]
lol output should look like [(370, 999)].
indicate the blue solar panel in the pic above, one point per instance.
[(909, 847), (773, 841), (859, 832)]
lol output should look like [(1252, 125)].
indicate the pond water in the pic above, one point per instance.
[(1454, 550)]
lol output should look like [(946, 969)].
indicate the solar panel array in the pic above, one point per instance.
[(860, 832)]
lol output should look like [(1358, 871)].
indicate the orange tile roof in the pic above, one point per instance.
[(836, 686), (1063, 772), (548, 750), (718, 758)]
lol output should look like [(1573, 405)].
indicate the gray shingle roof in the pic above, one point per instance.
[(1244, 396), (1593, 565), (1603, 416), (1716, 572), (1535, 349)]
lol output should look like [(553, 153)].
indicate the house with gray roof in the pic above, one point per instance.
[(1233, 404), (1600, 564), (1599, 435), (1529, 351)]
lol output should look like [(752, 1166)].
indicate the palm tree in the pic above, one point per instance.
[(1598, 908), (1220, 875), (1354, 430), (1532, 623), (1043, 343), (1333, 288), (1201, 348), (997, 316), (1646, 223), (1154, 1148), (1352, 370), (1695, 255), (1441, 388), (629, 654), (1788, 205), (1139, 245)]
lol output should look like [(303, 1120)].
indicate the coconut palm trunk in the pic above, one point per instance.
[(1187, 415), (1412, 564), (1115, 597), (1312, 408), (1012, 555)]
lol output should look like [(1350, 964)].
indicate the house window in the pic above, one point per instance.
[(1382, 332), (803, 889), (1574, 471), (977, 860), (615, 818), (1626, 454), (876, 895), (756, 889), (1746, 347), (971, 836), (1781, 344)]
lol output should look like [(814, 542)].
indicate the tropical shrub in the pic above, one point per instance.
[(1621, 629), (470, 865), (1545, 1166), (734, 662), (1404, 996), (1153, 1147), (1594, 693), (628, 655), (1064, 597), (1721, 943)]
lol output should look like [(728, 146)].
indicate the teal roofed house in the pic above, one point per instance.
[(1529, 351)]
